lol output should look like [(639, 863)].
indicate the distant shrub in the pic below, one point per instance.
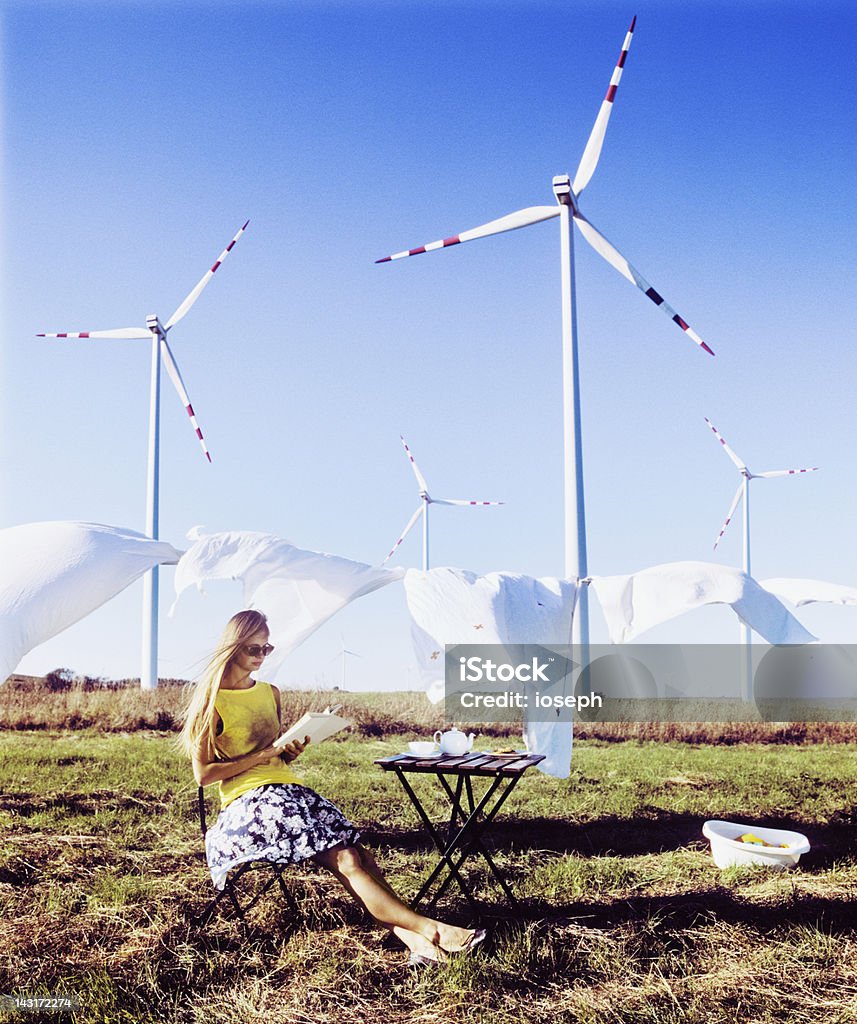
[(59, 680), (93, 683)]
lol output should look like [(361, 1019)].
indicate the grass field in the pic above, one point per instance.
[(625, 916)]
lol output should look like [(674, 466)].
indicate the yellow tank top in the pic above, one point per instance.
[(250, 723)]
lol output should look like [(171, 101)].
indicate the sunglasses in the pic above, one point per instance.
[(254, 650)]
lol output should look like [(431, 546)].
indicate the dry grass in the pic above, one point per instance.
[(28, 702), (31, 702)]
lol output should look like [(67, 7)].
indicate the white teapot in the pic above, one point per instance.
[(454, 741)]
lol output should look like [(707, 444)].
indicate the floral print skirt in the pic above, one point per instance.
[(281, 822)]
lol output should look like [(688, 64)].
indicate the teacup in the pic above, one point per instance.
[(422, 748)]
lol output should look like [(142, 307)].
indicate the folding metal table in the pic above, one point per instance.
[(469, 818)]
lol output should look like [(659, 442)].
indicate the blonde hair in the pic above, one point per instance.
[(197, 735)]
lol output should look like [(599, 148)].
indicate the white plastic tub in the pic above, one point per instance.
[(727, 850)]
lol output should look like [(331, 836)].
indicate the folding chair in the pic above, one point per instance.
[(231, 890)]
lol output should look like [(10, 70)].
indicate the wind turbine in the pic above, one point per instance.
[(344, 653), (567, 209), (423, 508), (743, 492), (157, 333)]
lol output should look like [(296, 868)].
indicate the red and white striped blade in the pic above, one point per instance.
[(184, 308), (421, 480), (615, 258), (406, 531), (176, 378), (589, 160), (787, 472), (741, 465), (520, 219), (731, 512), (463, 501), (117, 332)]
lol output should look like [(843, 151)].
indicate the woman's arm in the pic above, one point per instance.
[(278, 701), (289, 751), (206, 772)]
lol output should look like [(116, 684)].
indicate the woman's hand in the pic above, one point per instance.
[(289, 751)]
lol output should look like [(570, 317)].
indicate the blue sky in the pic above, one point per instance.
[(138, 138)]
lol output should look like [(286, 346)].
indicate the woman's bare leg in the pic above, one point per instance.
[(371, 865), (356, 869), (413, 940)]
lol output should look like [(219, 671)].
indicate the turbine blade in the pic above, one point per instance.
[(184, 308), (421, 480), (176, 378), (589, 160), (731, 512), (787, 472), (520, 219), (463, 501), (117, 332), (406, 531), (610, 253), (741, 465)]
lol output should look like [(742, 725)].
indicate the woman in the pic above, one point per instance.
[(266, 812)]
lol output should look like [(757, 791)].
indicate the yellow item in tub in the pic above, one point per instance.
[(752, 840)]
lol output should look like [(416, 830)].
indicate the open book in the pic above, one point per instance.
[(318, 725)]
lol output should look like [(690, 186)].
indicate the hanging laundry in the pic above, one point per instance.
[(297, 589), (54, 574), (641, 600), (800, 592)]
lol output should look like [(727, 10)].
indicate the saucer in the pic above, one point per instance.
[(422, 757)]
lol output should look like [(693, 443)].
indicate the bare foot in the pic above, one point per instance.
[(417, 943), (453, 939)]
